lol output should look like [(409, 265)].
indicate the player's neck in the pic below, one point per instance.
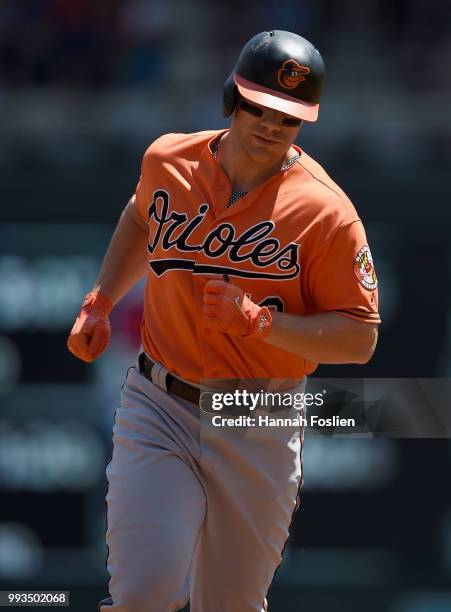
[(244, 172)]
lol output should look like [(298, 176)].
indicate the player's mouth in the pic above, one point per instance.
[(265, 141)]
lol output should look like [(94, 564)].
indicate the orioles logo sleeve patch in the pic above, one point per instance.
[(364, 268)]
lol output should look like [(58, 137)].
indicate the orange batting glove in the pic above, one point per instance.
[(92, 330), (226, 308)]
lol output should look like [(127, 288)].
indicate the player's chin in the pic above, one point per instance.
[(263, 154)]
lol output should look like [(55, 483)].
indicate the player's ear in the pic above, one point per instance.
[(241, 103)]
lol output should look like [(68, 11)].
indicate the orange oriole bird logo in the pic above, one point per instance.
[(291, 73)]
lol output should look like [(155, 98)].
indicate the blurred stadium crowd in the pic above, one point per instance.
[(137, 67), (79, 43)]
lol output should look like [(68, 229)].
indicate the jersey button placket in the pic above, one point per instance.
[(203, 334)]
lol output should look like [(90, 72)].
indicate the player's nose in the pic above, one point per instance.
[(271, 120)]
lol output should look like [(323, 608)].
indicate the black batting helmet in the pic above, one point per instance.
[(280, 70)]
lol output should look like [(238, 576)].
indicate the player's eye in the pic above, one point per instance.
[(289, 122), (250, 108), (255, 111)]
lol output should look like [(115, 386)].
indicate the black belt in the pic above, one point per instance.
[(173, 384), (189, 392)]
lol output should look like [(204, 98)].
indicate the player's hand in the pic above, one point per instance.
[(226, 308), (92, 330)]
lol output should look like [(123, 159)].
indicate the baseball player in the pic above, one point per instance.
[(257, 267)]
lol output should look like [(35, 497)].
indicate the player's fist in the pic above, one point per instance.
[(92, 330), (226, 308)]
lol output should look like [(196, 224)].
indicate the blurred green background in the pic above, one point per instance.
[(84, 88)]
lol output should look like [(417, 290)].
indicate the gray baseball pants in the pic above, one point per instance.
[(193, 514)]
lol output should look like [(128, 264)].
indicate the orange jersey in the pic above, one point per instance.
[(294, 243)]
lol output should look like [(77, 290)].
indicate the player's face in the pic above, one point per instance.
[(264, 133)]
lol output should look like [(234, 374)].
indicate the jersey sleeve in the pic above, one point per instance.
[(141, 201), (150, 168), (342, 277)]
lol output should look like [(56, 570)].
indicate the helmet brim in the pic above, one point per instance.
[(276, 100)]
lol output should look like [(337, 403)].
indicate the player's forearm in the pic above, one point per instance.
[(324, 338), (125, 261)]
